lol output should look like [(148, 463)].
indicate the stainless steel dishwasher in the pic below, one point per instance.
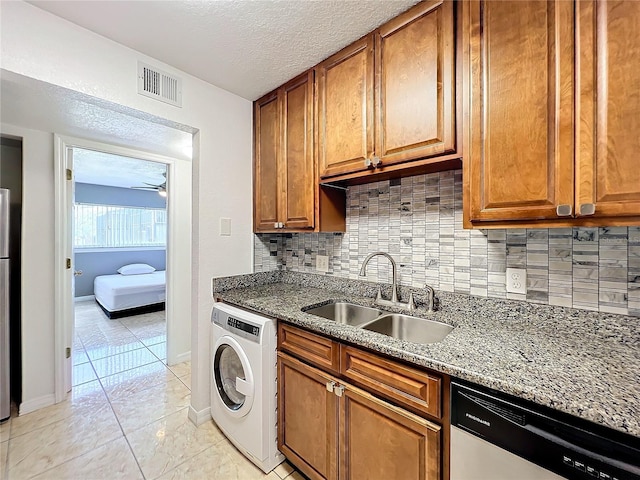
[(498, 437)]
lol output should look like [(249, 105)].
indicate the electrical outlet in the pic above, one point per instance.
[(322, 263), (516, 280)]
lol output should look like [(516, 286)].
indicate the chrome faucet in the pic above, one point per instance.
[(394, 302)]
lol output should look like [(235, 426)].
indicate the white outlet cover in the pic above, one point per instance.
[(517, 280), (322, 263)]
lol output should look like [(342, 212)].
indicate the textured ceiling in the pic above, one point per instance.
[(247, 47)]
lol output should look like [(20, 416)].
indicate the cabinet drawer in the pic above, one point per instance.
[(315, 349), (410, 387)]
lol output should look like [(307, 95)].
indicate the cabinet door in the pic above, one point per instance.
[(415, 84), (297, 179), (608, 134), (519, 151), (265, 167), (307, 418), (345, 109), (381, 441)]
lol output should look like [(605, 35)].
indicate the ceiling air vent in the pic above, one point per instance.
[(157, 84)]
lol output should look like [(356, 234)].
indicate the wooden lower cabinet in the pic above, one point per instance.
[(332, 430), (307, 418)]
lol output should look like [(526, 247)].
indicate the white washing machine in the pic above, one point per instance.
[(243, 383)]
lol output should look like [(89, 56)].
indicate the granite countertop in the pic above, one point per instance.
[(583, 363)]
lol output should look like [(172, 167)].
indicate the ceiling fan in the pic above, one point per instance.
[(161, 188)]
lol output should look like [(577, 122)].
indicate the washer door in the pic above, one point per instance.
[(232, 377)]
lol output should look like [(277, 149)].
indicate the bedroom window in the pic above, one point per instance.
[(110, 226)]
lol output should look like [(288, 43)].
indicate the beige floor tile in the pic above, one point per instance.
[(83, 401), (50, 446), (111, 461), (131, 381), (159, 350), (215, 462), (82, 373), (123, 361), (146, 406), (242, 467), (151, 337), (5, 428), (296, 476), (79, 357), (165, 444), (181, 369), (105, 349), (186, 379), (284, 470), (3, 459)]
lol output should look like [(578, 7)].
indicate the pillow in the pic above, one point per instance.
[(136, 269)]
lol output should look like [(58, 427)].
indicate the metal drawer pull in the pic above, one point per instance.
[(563, 210), (587, 209)]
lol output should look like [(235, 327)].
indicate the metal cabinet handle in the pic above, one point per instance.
[(77, 273), (563, 210), (367, 162), (376, 162), (275, 225), (587, 209), (331, 386)]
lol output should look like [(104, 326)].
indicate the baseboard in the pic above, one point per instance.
[(198, 418), (183, 357), (86, 298), (34, 404)]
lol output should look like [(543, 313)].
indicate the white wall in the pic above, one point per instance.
[(37, 264), (39, 45)]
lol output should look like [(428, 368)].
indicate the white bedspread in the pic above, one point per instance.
[(119, 292)]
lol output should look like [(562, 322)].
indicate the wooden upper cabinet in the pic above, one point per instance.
[(297, 175), (390, 98), (267, 145), (608, 106), (345, 109), (415, 84), (284, 171), (519, 142)]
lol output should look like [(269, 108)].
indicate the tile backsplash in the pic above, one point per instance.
[(418, 220)]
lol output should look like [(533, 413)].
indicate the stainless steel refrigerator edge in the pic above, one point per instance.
[(5, 397)]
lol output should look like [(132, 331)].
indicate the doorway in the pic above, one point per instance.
[(119, 264), (149, 334)]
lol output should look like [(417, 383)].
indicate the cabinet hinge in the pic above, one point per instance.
[(69, 174), (68, 263), (67, 352), (338, 390)]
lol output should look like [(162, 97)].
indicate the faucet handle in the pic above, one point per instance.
[(411, 304)]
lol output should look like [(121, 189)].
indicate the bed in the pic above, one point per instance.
[(124, 295)]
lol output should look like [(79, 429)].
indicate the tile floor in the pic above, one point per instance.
[(126, 416)]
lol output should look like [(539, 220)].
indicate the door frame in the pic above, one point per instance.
[(178, 300)]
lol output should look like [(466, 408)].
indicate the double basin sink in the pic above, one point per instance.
[(402, 327)]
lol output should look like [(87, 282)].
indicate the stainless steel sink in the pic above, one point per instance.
[(344, 312), (413, 329)]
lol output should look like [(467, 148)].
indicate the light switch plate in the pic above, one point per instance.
[(225, 227), (322, 263), (516, 280)]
